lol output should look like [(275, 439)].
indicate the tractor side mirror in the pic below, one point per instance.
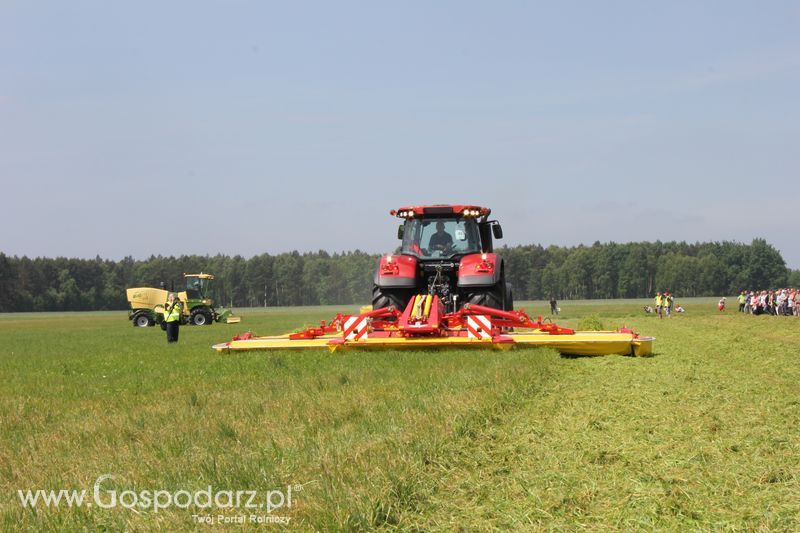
[(401, 231), (497, 231)]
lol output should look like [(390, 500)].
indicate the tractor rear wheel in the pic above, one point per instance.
[(397, 298), (141, 320), (498, 296), (200, 317), (509, 303), (490, 297)]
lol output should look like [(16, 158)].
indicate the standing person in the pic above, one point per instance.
[(668, 303), (721, 304), (741, 301), (659, 303), (762, 302), (780, 302), (553, 305), (172, 317)]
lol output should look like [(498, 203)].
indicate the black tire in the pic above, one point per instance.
[(508, 305), (397, 298), (489, 297), (200, 317), (496, 296), (141, 320)]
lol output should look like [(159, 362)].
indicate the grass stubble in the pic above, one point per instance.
[(703, 435)]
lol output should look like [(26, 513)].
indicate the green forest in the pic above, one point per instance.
[(602, 270)]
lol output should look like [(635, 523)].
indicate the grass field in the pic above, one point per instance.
[(703, 435)]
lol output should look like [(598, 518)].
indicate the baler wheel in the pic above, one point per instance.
[(141, 320)]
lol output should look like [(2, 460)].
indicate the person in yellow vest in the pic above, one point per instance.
[(172, 317), (666, 303), (659, 305)]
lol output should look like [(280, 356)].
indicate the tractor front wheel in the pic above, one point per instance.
[(200, 317)]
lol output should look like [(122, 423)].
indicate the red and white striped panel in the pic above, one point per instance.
[(479, 327), (355, 328)]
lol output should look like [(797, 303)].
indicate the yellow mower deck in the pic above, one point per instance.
[(589, 343), (579, 343), (423, 324)]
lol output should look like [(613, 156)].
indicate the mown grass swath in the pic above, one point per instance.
[(702, 435)]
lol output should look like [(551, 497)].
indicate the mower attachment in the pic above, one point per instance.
[(423, 324)]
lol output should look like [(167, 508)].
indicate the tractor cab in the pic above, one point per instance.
[(443, 232), (198, 286), (440, 238)]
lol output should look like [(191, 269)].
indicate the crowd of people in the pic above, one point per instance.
[(780, 302), (664, 305)]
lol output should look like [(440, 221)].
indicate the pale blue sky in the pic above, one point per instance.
[(267, 126)]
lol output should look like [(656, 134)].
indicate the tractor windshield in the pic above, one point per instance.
[(440, 237), (197, 288)]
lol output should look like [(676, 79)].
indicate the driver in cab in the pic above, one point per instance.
[(441, 240)]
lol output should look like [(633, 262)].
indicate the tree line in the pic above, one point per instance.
[(602, 270)]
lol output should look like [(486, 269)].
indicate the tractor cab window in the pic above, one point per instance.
[(440, 237), (196, 288)]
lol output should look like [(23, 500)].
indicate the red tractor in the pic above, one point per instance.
[(447, 251)]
